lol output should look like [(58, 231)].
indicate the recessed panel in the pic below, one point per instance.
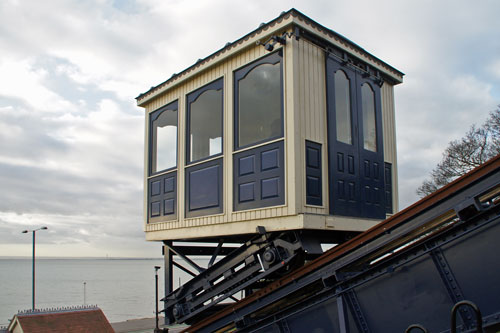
[(313, 186), (350, 164), (204, 188), (341, 190), (155, 209), (376, 195), (270, 159), (351, 190), (312, 157), (169, 185), (155, 188), (247, 165), (258, 178), (368, 195), (313, 173), (162, 188), (168, 206), (366, 164), (376, 171), (340, 162), (270, 188), (246, 192)]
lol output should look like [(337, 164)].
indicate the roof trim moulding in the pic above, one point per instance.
[(283, 22)]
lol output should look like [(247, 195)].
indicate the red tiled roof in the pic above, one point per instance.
[(78, 321)]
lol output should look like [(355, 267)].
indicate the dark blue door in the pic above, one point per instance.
[(355, 151)]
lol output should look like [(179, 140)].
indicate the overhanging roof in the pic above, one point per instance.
[(285, 19)]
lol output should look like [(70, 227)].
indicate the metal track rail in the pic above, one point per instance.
[(257, 260), (333, 275)]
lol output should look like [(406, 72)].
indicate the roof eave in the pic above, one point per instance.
[(284, 21)]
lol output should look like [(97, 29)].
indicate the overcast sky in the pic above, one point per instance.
[(71, 135)]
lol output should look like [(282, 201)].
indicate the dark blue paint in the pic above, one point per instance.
[(355, 174), (204, 189), (259, 180), (155, 188), (155, 209), (168, 206), (313, 174), (269, 159), (270, 188), (388, 187), (247, 165), (169, 184), (247, 192), (162, 197)]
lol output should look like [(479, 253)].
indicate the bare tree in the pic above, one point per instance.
[(461, 156)]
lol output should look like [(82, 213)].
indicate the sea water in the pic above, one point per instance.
[(123, 288)]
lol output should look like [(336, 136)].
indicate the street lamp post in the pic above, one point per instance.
[(157, 328), (33, 269)]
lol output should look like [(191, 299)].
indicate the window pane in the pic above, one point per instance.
[(205, 127), (343, 107), (259, 106), (164, 141), (369, 124)]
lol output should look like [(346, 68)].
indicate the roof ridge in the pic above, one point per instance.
[(63, 309)]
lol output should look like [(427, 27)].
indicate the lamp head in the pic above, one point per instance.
[(43, 228), (24, 231), (157, 268)]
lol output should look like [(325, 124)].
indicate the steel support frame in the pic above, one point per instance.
[(188, 301), (344, 291), (265, 300)]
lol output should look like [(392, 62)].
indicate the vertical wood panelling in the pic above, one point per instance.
[(389, 129), (305, 119), (311, 104)]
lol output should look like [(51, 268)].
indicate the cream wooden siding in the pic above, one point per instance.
[(305, 118), (389, 130), (179, 92), (310, 105)]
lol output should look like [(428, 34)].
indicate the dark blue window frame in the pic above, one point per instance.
[(274, 58), (152, 117), (204, 188), (190, 98)]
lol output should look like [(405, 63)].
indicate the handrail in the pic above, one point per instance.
[(479, 317)]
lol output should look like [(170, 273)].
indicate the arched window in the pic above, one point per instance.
[(205, 122), (369, 121), (343, 109), (164, 138), (258, 105)]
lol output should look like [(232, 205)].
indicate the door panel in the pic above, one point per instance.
[(355, 150)]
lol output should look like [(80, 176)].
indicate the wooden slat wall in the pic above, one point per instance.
[(179, 93), (311, 120), (389, 129), (305, 119)]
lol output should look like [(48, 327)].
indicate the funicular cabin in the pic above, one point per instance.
[(289, 129)]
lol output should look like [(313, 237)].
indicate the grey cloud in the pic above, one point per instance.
[(81, 169)]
